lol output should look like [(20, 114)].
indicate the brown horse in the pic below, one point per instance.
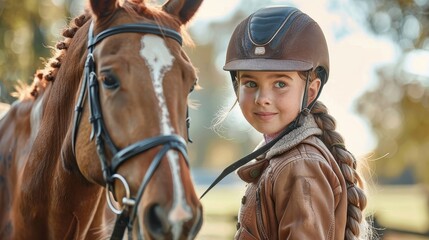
[(122, 67)]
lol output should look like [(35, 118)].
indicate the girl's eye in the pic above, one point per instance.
[(250, 84), (280, 84), (109, 81)]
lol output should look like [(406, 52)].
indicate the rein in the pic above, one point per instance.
[(235, 165), (90, 89)]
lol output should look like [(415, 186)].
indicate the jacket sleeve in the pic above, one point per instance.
[(305, 193)]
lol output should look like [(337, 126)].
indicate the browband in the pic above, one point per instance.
[(135, 28)]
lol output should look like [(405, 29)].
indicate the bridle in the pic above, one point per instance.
[(90, 88)]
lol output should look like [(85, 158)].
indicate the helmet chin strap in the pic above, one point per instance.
[(304, 102), (305, 107), (305, 110)]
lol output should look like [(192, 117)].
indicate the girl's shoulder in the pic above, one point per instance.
[(310, 153), (310, 148)]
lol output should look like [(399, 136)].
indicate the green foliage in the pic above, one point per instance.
[(405, 21), (398, 113), (398, 108), (27, 30)]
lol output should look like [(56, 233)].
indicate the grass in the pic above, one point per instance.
[(221, 206), (400, 207)]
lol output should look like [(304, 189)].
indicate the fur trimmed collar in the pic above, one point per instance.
[(292, 139)]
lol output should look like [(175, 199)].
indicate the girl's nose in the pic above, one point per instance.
[(262, 98)]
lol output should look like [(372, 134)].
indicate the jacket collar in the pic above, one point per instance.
[(296, 136), (252, 171)]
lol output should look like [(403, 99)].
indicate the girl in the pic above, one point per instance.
[(306, 185)]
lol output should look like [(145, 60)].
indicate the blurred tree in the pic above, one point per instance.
[(398, 111), (398, 107), (27, 29), (405, 21)]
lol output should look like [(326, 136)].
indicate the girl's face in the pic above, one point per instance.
[(271, 100)]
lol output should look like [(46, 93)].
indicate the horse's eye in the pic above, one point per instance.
[(110, 81)]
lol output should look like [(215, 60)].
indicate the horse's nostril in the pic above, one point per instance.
[(156, 220)]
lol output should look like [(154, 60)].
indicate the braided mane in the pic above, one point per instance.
[(48, 74)]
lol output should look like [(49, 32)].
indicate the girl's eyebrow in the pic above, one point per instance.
[(274, 75), (245, 75), (280, 75)]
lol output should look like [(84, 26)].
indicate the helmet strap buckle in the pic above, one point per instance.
[(305, 111), (305, 95)]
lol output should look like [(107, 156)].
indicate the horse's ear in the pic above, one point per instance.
[(183, 9), (101, 8)]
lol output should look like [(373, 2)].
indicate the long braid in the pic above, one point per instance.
[(61, 47), (356, 198)]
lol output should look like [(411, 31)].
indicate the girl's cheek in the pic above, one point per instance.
[(245, 97)]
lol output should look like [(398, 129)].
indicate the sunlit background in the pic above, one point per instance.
[(378, 91)]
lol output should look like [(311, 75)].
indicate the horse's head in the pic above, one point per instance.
[(136, 82)]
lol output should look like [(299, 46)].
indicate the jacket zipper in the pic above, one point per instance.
[(259, 222)]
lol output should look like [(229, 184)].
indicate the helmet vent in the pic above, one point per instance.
[(270, 19)]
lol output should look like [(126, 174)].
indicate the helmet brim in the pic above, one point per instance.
[(261, 64)]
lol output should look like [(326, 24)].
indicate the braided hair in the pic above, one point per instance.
[(356, 224)]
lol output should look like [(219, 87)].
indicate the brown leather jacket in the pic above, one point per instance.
[(295, 191)]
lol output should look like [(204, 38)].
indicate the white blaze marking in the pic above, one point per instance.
[(159, 61)]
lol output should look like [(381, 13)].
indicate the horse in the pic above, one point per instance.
[(105, 126)]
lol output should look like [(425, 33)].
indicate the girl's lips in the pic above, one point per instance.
[(265, 115)]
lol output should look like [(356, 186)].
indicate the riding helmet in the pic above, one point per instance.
[(278, 39)]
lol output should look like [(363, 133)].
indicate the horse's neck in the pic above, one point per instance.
[(61, 194), (85, 201), (30, 161), (72, 204), (58, 107), (66, 207)]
